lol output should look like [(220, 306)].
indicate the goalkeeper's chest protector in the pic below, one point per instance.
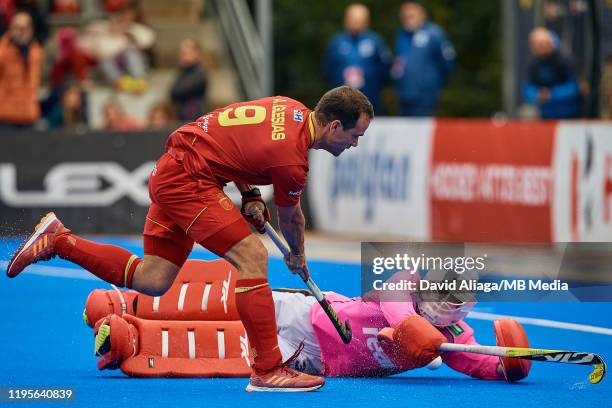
[(363, 356)]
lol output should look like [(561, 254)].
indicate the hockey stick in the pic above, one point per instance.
[(344, 330), (551, 356)]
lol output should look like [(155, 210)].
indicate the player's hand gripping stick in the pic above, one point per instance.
[(343, 329)]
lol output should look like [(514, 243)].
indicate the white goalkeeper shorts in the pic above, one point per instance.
[(293, 325)]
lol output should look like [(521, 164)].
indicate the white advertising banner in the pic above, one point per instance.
[(582, 206), (379, 188)]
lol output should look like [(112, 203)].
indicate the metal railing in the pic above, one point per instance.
[(244, 40)]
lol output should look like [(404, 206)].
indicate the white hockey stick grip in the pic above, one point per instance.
[(472, 348)]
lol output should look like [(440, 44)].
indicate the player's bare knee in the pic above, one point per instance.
[(155, 277), (260, 259), (160, 284), (250, 257), (255, 262)]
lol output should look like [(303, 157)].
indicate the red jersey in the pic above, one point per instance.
[(259, 142)]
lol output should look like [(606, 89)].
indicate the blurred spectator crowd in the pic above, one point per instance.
[(47, 73), (552, 84), (423, 62)]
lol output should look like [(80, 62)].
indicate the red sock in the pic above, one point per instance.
[(256, 309), (108, 262)]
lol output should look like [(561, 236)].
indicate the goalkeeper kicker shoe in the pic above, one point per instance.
[(39, 246)]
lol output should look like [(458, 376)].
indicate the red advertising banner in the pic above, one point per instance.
[(492, 182)]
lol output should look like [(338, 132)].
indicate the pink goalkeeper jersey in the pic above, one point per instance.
[(364, 356)]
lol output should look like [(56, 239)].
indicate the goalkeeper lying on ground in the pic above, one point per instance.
[(388, 336)]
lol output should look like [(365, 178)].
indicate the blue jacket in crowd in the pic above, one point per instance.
[(556, 73), (424, 61), (361, 61)]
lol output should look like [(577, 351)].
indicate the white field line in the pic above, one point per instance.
[(54, 271), (73, 273), (543, 323)]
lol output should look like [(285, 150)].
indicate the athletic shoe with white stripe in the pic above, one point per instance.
[(38, 246), (284, 379)]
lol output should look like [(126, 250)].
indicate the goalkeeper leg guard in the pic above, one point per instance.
[(115, 341)]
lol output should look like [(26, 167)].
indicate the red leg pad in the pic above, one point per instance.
[(101, 303), (123, 342)]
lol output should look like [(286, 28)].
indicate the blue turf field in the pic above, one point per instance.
[(45, 343)]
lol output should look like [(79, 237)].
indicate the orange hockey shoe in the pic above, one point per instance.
[(38, 246), (284, 379)]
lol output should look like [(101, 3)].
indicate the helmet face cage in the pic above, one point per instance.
[(445, 308), (443, 314)]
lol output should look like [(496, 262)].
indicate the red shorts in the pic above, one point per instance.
[(185, 210)]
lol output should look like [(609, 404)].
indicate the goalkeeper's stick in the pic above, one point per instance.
[(551, 356), (344, 330)]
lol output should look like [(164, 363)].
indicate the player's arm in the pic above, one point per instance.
[(398, 306), (292, 223), (288, 184), (243, 187), (508, 333), (475, 365)]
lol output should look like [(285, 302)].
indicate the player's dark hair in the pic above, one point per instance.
[(345, 104)]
